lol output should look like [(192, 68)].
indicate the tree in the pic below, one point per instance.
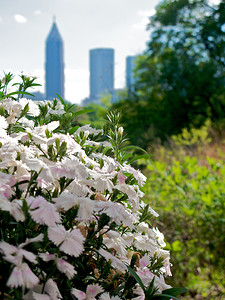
[(180, 77)]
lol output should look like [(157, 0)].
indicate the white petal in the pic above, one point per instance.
[(57, 234)]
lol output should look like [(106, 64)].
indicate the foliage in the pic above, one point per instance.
[(99, 110), (194, 136), (180, 80), (73, 225), (190, 200)]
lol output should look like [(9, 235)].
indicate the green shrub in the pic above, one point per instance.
[(190, 200)]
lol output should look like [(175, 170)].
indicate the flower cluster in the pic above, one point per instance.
[(73, 223)]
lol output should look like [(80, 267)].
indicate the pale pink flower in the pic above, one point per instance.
[(132, 193), (117, 243), (37, 296), (67, 201), (42, 211), (22, 276), (145, 275), (106, 296), (79, 294), (144, 261), (91, 292), (62, 265), (71, 242), (65, 267), (15, 254), (136, 173), (52, 290), (121, 177), (14, 208), (116, 212), (138, 291), (116, 262), (49, 291), (160, 284), (167, 265)]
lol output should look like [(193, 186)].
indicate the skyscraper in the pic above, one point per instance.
[(54, 66), (130, 66), (101, 72)]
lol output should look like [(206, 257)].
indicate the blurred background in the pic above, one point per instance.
[(162, 65)]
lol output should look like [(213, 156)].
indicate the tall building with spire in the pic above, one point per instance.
[(54, 64)]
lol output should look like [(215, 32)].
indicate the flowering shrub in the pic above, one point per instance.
[(73, 225)]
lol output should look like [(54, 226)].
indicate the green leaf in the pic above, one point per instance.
[(83, 111), (136, 277), (106, 149), (101, 163), (17, 93), (175, 291), (24, 111), (61, 99), (133, 147), (74, 129)]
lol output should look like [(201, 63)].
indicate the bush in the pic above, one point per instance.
[(73, 225), (190, 199)]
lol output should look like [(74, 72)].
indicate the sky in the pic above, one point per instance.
[(83, 25)]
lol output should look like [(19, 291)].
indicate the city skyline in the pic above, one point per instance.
[(83, 25)]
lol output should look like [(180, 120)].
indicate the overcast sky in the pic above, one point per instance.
[(83, 25)]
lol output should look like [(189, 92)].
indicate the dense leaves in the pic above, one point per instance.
[(190, 199), (180, 78)]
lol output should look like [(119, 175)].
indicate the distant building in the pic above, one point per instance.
[(54, 66), (101, 63), (130, 78)]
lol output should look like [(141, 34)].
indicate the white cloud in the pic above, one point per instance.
[(145, 14), (20, 19), (0, 19), (37, 12)]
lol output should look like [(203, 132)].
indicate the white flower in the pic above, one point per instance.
[(138, 291), (89, 129), (106, 296), (116, 242), (159, 237), (26, 122), (91, 292), (137, 174), (3, 125), (131, 193), (116, 262), (65, 267), (52, 290), (33, 107), (22, 276), (62, 265), (14, 208), (70, 242), (116, 211), (42, 211), (13, 108)]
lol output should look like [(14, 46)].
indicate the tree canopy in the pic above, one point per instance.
[(180, 80)]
